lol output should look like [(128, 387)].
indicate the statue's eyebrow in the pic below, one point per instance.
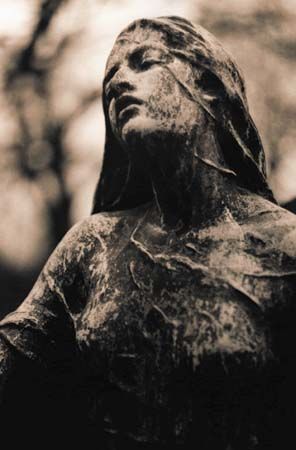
[(144, 47)]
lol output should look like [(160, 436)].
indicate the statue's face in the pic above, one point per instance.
[(145, 100)]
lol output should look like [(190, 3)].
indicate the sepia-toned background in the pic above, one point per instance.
[(52, 55)]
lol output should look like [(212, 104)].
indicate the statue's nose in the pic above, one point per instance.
[(120, 83)]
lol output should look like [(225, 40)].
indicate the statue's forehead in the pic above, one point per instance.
[(139, 35), (128, 41)]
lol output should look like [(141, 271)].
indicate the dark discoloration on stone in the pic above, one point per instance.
[(168, 324)]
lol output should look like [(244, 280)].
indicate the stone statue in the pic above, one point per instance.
[(167, 318)]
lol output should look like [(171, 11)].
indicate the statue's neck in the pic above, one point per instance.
[(198, 192), (215, 192), (210, 195)]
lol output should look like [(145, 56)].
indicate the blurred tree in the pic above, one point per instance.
[(36, 180)]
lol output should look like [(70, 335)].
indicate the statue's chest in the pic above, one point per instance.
[(166, 331), (170, 304)]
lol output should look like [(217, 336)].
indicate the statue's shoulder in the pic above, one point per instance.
[(104, 226), (99, 225), (87, 236), (275, 225)]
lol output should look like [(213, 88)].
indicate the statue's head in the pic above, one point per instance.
[(167, 83)]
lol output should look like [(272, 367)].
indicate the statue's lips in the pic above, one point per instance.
[(124, 102)]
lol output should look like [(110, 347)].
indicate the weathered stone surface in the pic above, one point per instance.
[(166, 319)]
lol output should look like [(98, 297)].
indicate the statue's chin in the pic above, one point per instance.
[(148, 138), (138, 131)]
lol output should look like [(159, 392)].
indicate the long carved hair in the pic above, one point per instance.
[(220, 91)]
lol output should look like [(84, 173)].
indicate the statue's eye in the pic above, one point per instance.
[(144, 58), (148, 62)]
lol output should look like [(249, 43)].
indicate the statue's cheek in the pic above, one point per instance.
[(166, 102)]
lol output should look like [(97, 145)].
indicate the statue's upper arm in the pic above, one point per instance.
[(43, 326)]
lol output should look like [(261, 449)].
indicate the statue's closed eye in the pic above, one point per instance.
[(148, 62), (144, 58), (140, 59)]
